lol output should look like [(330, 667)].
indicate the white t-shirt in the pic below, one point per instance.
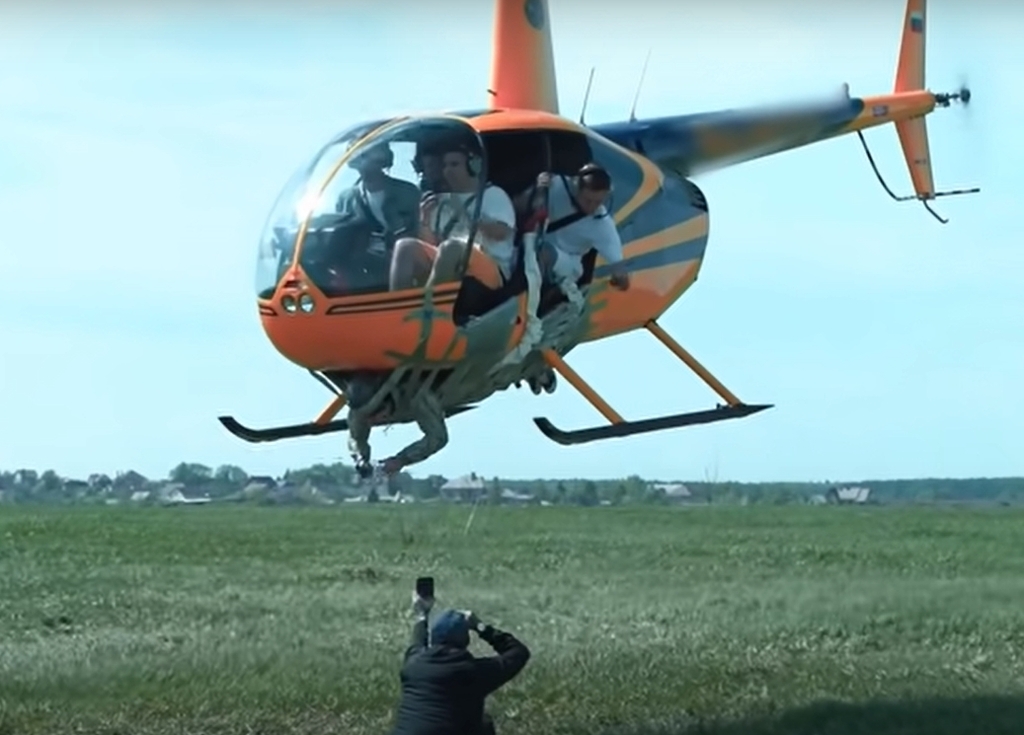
[(572, 242), (496, 206)]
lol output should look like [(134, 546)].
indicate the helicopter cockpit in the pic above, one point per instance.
[(342, 216)]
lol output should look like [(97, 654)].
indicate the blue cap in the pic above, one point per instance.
[(450, 628)]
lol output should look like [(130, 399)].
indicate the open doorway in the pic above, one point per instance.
[(514, 160)]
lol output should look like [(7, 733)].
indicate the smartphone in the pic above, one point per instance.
[(425, 587)]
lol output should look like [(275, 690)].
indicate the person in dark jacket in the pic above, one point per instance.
[(443, 685)]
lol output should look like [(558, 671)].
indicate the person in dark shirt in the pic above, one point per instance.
[(443, 685)]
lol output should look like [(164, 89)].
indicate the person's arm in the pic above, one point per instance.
[(418, 640), (497, 215), (609, 245), (421, 607), (494, 671)]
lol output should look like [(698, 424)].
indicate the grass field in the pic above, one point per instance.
[(823, 620)]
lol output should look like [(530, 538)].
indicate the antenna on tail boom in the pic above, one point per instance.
[(586, 95), (636, 97)]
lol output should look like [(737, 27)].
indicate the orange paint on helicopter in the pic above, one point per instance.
[(513, 119), (653, 290), (887, 108), (523, 68), (369, 335)]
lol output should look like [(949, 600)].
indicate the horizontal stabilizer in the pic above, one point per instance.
[(912, 131)]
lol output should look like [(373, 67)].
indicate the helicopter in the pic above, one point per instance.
[(326, 302)]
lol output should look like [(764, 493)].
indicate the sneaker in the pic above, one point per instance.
[(549, 381), (364, 469)]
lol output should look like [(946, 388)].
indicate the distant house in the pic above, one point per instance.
[(516, 498), (173, 495), (260, 486), (848, 495), (78, 488), (465, 488), (673, 491), (264, 482)]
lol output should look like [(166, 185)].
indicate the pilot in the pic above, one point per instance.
[(391, 203), (439, 252)]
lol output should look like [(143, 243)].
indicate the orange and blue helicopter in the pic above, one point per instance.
[(323, 290)]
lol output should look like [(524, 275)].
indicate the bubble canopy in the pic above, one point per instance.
[(341, 215)]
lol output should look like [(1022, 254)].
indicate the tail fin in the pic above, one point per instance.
[(913, 133), (523, 67)]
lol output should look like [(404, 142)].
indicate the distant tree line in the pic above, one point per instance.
[(336, 482)]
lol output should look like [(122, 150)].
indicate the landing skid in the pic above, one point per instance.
[(619, 427), (258, 436), (630, 428)]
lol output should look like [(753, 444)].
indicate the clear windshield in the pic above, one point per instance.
[(277, 241), (358, 217)]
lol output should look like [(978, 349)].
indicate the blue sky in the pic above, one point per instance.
[(140, 150)]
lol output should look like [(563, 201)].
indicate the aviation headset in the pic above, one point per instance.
[(592, 168), (474, 163), (589, 169)]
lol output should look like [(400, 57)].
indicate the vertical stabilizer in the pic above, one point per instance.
[(910, 67), (913, 133), (523, 63)]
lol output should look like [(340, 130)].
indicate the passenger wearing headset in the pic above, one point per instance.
[(428, 164), (578, 221), (446, 218)]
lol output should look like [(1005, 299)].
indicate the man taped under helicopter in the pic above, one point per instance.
[(426, 410)]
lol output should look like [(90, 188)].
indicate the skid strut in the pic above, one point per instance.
[(619, 427)]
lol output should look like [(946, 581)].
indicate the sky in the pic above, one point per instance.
[(141, 147)]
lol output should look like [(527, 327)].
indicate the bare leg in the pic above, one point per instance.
[(410, 265), (449, 263)]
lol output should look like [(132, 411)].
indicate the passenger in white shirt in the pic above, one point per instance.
[(439, 252), (577, 221), (588, 224)]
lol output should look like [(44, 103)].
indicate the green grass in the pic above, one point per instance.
[(651, 621)]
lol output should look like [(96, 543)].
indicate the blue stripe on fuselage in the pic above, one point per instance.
[(683, 141)]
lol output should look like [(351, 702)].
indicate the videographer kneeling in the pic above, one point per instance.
[(443, 685)]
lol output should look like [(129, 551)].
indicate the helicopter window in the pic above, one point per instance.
[(296, 199), (626, 174), (365, 222)]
